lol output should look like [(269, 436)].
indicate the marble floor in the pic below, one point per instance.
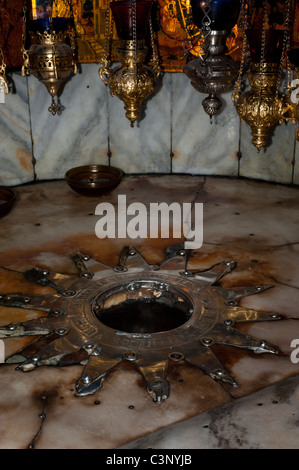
[(252, 223)]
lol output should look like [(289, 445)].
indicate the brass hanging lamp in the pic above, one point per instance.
[(132, 81), (51, 56), (263, 106)]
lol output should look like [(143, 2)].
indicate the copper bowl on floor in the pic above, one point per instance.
[(7, 200), (93, 180)]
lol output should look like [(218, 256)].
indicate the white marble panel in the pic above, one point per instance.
[(15, 140), (76, 137), (145, 148), (274, 163), (40, 409), (198, 146), (296, 159), (248, 214), (263, 420)]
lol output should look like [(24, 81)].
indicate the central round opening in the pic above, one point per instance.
[(143, 307)]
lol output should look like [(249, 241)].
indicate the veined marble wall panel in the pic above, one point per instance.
[(274, 163), (198, 146), (15, 140), (94, 123), (296, 163), (79, 135), (145, 148)]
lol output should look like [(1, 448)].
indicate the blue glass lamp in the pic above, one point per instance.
[(223, 13)]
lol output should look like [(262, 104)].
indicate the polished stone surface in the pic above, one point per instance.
[(173, 135), (198, 146), (267, 419), (76, 137), (16, 155), (145, 148), (272, 163), (254, 224), (296, 160)]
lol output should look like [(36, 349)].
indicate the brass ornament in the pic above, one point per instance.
[(51, 61), (50, 58), (261, 107), (132, 81)]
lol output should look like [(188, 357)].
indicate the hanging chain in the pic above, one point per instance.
[(156, 64), (104, 65), (263, 51), (51, 7), (54, 108), (206, 21), (284, 43), (243, 25), (289, 47), (107, 23), (71, 34), (25, 67), (135, 64), (205, 5), (52, 33), (288, 68), (134, 21), (187, 42), (264, 32)]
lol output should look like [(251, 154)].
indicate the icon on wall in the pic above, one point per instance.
[(176, 35)]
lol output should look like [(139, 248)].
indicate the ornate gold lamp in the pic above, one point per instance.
[(263, 106), (132, 81), (214, 72), (51, 56)]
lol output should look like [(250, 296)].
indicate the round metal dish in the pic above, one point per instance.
[(93, 180), (7, 200)]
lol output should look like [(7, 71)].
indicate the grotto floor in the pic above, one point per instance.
[(256, 225)]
